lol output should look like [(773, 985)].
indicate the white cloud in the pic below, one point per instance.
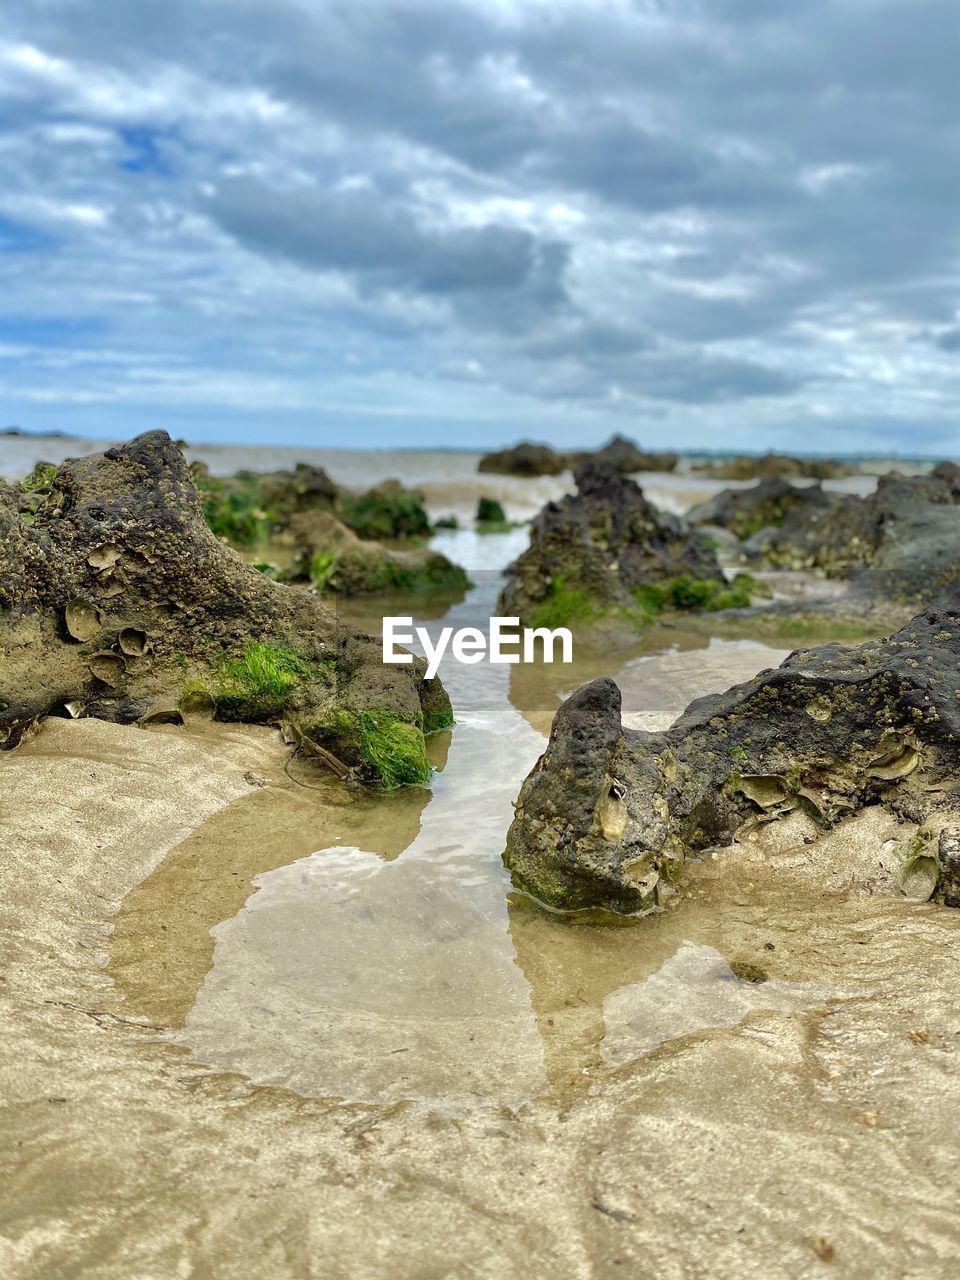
[(725, 218)]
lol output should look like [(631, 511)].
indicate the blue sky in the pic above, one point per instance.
[(705, 224)]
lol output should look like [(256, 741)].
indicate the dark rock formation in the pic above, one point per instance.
[(757, 466), (117, 601), (524, 460), (747, 511), (608, 814), (903, 540), (624, 454), (331, 557), (600, 545)]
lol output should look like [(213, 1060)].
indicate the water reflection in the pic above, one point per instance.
[(373, 981), (381, 957)]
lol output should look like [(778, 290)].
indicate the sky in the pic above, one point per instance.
[(702, 223)]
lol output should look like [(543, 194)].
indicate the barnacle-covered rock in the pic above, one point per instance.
[(116, 597), (332, 557), (751, 466), (626, 456), (829, 731), (523, 460), (594, 549), (903, 541), (764, 505)]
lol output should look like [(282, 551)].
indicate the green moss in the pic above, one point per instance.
[(260, 685), (437, 717), (436, 574), (40, 478), (565, 606), (388, 511), (651, 597), (322, 568), (392, 750), (500, 526), (691, 593), (269, 570), (735, 598), (231, 509), (489, 511)]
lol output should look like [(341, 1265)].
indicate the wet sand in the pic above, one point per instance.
[(254, 1025), (761, 1075)]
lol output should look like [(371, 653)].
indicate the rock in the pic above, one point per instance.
[(388, 510), (594, 550), (331, 557), (523, 460), (746, 511), (949, 473), (755, 467), (248, 507), (607, 815), (489, 511), (948, 857), (903, 541), (624, 454), (116, 598)]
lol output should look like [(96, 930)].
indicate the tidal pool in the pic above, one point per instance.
[(369, 948)]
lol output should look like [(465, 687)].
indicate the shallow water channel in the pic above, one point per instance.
[(369, 948)]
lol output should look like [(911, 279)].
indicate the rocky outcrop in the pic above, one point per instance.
[(745, 512), (249, 507), (595, 549), (117, 601), (625, 455), (750, 466), (330, 557), (608, 814), (523, 460), (902, 541)]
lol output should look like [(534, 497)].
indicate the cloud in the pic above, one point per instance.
[(729, 217), (362, 233)]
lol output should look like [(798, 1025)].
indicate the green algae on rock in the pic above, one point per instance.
[(608, 814), (593, 555), (246, 508), (116, 600), (332, 557)]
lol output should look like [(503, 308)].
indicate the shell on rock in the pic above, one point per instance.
[(896, 758), (134, 642), (162, 715), (82, 619), (768, 790), (819, 709), (105, 557), (611, 813), (74, 709), (108, 668)]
